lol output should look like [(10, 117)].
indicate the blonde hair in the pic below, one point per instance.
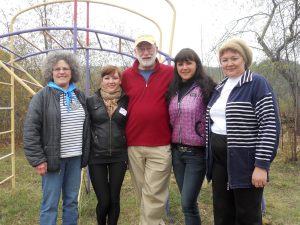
[(240, 46)]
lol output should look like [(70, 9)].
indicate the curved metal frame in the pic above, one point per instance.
[(10, 66)]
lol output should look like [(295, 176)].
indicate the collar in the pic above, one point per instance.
[(246, 77), (68, 92)]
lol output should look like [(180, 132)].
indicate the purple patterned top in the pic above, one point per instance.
[(187, 118)]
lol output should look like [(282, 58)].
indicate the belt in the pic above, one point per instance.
[(184, 148), (187, 148)]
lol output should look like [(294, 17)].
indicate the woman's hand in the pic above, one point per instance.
[(259, 177), (41, 169)]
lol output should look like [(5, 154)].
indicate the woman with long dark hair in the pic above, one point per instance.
[(188, 96)]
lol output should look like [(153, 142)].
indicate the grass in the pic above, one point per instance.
[(282, 197)]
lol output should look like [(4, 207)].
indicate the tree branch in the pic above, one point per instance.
[(260, 38)]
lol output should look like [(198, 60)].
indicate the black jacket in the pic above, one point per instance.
[(108, 135), (42, 129)]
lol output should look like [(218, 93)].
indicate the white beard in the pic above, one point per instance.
[(146, 62)]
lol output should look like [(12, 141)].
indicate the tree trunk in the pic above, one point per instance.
[(296, 119)]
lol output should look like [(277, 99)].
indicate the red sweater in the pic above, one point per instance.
[(148, 118)]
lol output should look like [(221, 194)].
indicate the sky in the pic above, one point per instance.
[(200, 24)]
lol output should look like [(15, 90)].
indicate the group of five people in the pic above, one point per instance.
[(151, 118)]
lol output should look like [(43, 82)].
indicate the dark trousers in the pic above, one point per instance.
[(189, 170), (107, 180), (241, 206)]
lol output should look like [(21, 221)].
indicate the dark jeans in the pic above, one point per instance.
[(189, 170), (241, 206), (107, 180)]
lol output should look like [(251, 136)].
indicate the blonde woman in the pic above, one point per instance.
[(243, 133)]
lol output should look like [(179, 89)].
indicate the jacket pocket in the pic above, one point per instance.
[(53, 158), (118, 139), (241, 166)]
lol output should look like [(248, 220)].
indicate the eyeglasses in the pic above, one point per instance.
[(64, 69), (148, 49)]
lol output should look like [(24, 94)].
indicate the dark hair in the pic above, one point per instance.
[(205, 82), (52, 59)]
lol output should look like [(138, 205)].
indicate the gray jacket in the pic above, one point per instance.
[(42, 128)]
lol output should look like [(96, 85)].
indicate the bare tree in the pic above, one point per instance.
[(276, 28)]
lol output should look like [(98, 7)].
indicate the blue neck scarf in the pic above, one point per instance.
[(67, 92)]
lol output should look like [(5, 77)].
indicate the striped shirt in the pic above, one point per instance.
[(252, 125), (71, 127)]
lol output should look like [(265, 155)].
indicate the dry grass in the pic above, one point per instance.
[(282, 197)]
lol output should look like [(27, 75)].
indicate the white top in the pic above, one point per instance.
[(217, 111), (71, 127)]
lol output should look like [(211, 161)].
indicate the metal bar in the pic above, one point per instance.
[(97, 36), (32, 83), (35, 82), (6, 179), (70, 48), (30, 43), (82, 29), (173, 27), (75, 27), (87, 78), (53, 38), (20, 68), (78, 41), (6, 156), (12, 66), (5, 108), (120, 45), (10, 51), (3, 83), (13, 75)]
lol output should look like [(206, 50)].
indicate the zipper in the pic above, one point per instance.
[(179, 111), (110, 139), (178, 115), (110, 136), (228, 155), (146, 82), (110, 127), (227, 149)]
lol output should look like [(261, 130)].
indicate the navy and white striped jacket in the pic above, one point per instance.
[(252, 124)]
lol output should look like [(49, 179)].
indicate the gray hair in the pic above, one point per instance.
[(52, 59)]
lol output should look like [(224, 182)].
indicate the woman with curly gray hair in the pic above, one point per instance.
[(56, 137)]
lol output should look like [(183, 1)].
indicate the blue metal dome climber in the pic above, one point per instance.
[(95, 41)]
